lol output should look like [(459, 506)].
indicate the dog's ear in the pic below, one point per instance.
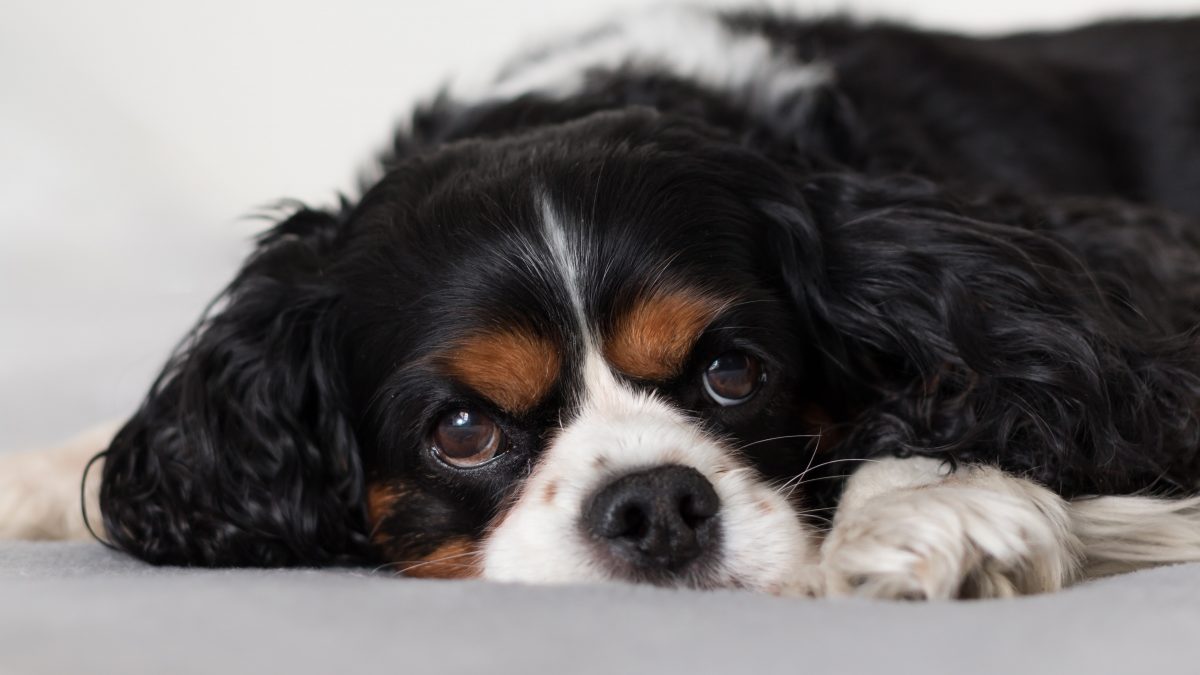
[(242, 453), (974, 328)]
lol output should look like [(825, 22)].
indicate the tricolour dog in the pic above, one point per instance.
[(711, 300)]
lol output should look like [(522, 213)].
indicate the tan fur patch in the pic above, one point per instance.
[(380, 500), (458, 558), (513, 368), (453, 559), (653, 339)]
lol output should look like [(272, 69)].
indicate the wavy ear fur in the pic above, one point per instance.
[(242, 453), (1056, 340)]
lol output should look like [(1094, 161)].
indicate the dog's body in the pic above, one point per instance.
[(634, 308)]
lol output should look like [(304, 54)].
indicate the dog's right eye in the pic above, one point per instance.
[(467, 438), (733, 378)]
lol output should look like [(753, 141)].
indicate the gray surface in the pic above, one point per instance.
[(68, 608)]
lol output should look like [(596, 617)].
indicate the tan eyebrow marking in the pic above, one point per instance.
[(653, 338), (514, 368)]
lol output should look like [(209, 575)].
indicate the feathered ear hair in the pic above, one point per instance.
[(242, 453), (1042, 338)]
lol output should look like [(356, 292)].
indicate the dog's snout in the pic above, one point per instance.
[(660, 519)]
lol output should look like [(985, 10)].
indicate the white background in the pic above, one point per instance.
[(136, 135)]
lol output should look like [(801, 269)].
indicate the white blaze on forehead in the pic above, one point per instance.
[(689, 43), (616, 430), (566, 258)]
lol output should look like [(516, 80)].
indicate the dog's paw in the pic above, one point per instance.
[(40, 490), (957, 539)]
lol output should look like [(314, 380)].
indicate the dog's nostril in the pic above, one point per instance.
[(695, 511), (661, 518), (631, 521)]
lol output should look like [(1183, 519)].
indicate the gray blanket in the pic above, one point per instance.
[(79, 608)]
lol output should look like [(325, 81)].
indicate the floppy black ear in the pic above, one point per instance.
[(1050, 340), (242, 453)]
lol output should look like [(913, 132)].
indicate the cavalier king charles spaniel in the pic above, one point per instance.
[(716, 299)]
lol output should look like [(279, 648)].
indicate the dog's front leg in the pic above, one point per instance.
[(911, 529)]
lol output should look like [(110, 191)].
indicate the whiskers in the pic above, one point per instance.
[(792, 484), (820, 516), (773, 439), (467, 562), (789, 487)]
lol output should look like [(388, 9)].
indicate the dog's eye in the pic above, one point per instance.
[(732, 378), (467, 437)]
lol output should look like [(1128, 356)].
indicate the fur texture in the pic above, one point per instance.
[(979, 254)]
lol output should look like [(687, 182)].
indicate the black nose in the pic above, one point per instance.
[(659, 519)]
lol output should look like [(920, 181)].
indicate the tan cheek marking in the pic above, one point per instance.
[(513, 368), (458, 558), (381, 498), (653, 339)]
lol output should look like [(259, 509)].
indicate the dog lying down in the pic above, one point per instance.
[(806, 307)]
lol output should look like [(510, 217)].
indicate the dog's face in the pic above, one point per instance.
[(572, 362), (568, 355)]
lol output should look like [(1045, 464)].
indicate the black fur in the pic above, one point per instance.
[(243, 451), (985, 250)]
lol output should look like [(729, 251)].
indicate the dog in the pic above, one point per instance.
[(715, 300)]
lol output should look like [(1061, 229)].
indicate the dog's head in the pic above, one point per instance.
[(581, 353)]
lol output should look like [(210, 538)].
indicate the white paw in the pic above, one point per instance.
[(983, 535), (39, 490)]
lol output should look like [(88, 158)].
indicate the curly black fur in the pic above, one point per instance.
[(1048, 339), (984, 250), (242, 452)]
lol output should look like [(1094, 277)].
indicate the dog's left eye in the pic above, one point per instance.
[(733, 378), (467, 438)]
